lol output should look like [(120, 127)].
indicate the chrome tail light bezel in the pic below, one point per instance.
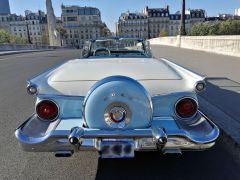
[(188, 117), (44, 119)]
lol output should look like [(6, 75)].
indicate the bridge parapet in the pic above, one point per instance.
[(226, 45)]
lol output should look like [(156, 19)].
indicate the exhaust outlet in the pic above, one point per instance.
[(63, 154), (172, 151)]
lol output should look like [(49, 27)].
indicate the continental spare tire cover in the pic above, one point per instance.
[(117, 102)]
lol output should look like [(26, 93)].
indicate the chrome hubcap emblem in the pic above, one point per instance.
[(117, 114)]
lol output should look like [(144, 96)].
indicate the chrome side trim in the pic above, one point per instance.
[(180, 66), (56, 96)]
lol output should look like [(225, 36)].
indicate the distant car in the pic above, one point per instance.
[(116, 99)]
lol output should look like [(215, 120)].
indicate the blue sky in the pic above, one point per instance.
[(111, 9)]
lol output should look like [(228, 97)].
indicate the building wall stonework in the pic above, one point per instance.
[(32, 26), (133, 25), (34, 23), (156, 22), (18, 26), (237, 12), (82, 24)]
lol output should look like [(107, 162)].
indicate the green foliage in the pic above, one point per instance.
[(163, 33), (17, 39), (6, 37), (229, 27), (62, 31)]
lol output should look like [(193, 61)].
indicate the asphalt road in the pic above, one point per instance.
[(223, 82), (16, 105)]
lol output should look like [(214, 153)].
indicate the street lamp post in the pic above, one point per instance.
[(28, 33), (182, 30)]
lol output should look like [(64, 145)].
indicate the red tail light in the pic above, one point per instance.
[(186, 108), (47, 110)]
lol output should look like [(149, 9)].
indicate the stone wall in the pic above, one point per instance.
[(226, 45)]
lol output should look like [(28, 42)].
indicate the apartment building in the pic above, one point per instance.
[(82, 24), (155, 22), (158, 21), (133, 25), (34, 23), (17, 26), (175, 22)]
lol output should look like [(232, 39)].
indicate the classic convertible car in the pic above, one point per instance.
[(117, 99)]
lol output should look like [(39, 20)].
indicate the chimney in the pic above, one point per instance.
[(168, 8)]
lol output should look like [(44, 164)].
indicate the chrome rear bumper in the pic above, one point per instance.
[(156, 137)]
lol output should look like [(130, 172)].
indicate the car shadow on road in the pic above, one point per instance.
[(215, 163), (223, 93)]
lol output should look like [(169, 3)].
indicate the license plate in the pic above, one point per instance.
[(117, 149)]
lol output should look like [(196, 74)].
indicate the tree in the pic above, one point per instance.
[(4, 36), (17, 39), (163, 33), (229, 27), (200, 29), (45, 38), (62, 31)]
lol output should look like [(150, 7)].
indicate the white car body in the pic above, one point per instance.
[(151, 124)]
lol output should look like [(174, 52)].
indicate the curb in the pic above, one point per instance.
[(21, 52)]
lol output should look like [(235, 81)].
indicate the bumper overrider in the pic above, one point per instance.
[(164, 135)]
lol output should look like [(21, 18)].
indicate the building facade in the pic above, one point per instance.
[(5, 22), (4, 7), (175, 22), (18, 26), (196, 15), (82, 24), (237, 12), (36, 23), (156, 22), (133, 25)]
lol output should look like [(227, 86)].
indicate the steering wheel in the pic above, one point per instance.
[(102, 49)]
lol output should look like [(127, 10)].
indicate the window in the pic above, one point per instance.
[(72, 18)]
